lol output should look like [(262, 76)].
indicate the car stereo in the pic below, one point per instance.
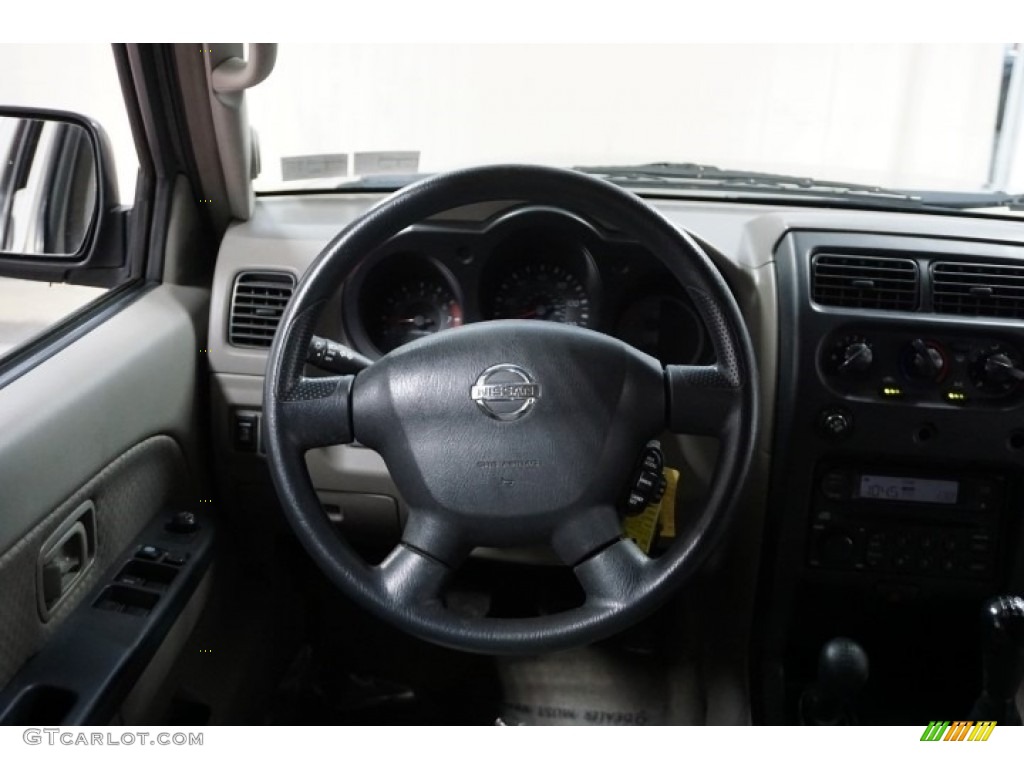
[(877, 519)]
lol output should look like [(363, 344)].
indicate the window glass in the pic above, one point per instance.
[(908, 116)]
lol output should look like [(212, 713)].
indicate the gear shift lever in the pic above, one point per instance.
[(1002, 660), (842, 671)]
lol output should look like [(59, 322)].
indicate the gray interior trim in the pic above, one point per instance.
[(231, 125), (57, 427), (238, 74), (190, 67), (184, 240), (21, 360)]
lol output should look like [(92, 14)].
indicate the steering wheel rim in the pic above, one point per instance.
[(400, 393)]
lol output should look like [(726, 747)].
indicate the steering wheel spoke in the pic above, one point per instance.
[(702, 399), (417, 568), (585, 532), (615, 575), (410, 577), (315, 412)]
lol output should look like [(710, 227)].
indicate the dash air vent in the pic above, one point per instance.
[(257, 304), (864, 282), (976, 288)]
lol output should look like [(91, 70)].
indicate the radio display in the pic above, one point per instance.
[(916, 489)]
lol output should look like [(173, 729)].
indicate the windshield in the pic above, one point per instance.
[(902, 117)]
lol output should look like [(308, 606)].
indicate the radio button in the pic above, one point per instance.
[(980, 544), (874, 558), (837, 548), (897, 593), (835, 486), (978, 567), (876, 541)]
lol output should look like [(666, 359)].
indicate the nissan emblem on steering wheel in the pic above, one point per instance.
[(505, 392)]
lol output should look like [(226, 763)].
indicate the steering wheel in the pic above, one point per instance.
[(510, 433)]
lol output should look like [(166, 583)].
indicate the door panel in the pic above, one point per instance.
[(126, 494), (110, 418)]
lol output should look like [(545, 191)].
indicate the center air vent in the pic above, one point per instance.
[(864, 282), (975, 288), (257, 304)]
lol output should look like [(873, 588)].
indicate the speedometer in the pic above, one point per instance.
[(410, 310), (542, 292)]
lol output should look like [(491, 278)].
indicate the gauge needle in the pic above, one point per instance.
[(418, 321), (539, 311)]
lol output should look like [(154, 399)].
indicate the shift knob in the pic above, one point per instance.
[(1003, 639), (842, 671), (842, 668)]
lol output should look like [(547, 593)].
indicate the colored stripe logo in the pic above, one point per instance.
[(959, 730)]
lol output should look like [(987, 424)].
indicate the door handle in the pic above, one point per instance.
[(64, 558), (63, 564)]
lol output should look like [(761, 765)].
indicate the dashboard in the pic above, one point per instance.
[(525, 263), (884, 501)]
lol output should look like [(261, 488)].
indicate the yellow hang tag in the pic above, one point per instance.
[(667, 505), (643, 528)]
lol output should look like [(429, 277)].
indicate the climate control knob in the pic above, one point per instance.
[(924, 361), (997, 369), (851, 357)]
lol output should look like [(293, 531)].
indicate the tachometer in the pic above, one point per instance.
[(410, 310), (541, 292)]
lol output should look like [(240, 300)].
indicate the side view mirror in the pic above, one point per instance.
[(60, 217)]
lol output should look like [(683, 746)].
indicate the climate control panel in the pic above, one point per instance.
[(953, 370)]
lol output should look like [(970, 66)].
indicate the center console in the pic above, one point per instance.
[(896, 500)]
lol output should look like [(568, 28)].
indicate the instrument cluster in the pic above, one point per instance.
[(531, 263)]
